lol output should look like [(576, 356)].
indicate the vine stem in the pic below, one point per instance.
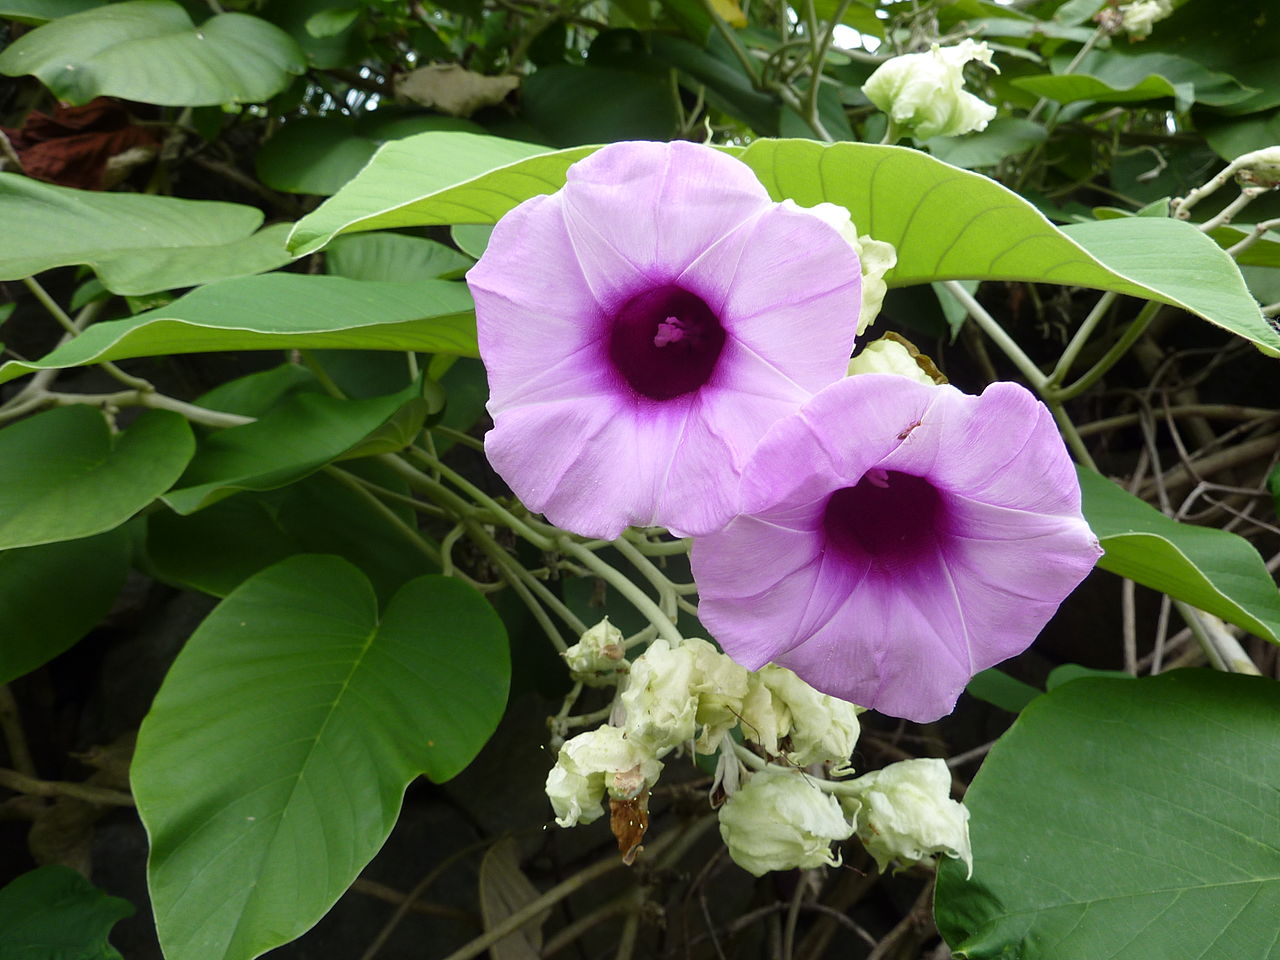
[(635, 596), (533, 908), (73, 330), (1137, 327), (992, 328), (21, 783)]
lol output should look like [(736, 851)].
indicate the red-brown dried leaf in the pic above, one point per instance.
[(75, 146)]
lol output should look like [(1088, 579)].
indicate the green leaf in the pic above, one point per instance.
[(1074, 671), (997, 688), (427, 179), (945, 223), (216, 549), (1125, 820), (281, 311), (395, 257), (1073, 87), (316, 714), (1189, 77), (54, 913), (471, 238), (121, 235), (1273, 484), (1003, 137), (1232, 136), (301, 435), (152, 270), (36, 12), (64, 476), (53, 594), (1215, 570), (952, 224), (317, 155), (576, 105), (151, 52), (331, 21), (1264, 252)]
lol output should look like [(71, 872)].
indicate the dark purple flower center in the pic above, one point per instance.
[(665, 342), (891, 517)]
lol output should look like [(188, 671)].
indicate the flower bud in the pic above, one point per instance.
[(821, 728), (659, 700), (908, 814), (594, 763), (923, 93), (598, 659), (887, 355), (781, 821), (1138, 18), (720, 685), (875, 257), (1259, 168)]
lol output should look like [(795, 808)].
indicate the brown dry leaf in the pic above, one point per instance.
[(92, 147), (504, 889), (454, 90), (629, 821), (923, 361)]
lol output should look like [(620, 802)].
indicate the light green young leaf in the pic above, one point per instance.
[(316, 713), (302, 434), (946, 223), (54, 913), (53, 594), (50, 226), (151, 52), (950, 224), (1211, 569), (281, 311), (435, 178), (64, 475), (1125, 820)]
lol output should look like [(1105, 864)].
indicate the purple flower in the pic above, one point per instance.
[(896, 538), (643, 327)]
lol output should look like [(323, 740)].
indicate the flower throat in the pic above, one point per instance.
[(665, 342)]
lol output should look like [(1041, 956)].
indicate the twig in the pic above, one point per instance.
[(21, 783)]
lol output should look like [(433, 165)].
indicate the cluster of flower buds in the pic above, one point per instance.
[(786, 814)]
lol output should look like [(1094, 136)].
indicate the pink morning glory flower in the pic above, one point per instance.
[(644, 326), (895, 539)]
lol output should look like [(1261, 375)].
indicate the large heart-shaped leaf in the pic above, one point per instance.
[(151, 52), (1126, 820), (63, 475), (946, 223), (1212, 569), (316, 713), (54, 913), (297, 438), (121, 235), (281, 311), (53, 594), (219, 547)]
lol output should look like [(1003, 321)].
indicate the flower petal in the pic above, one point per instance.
[(659, 206)]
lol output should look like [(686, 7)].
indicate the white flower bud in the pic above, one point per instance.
[(1259, 168), (598, 659), (766, 719), (875, 257), (821, 728), (888, 356), (908, 814), (1138, 18), (780, 821), (720, 684), (659, 700), (923, 93), (592, 764)]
